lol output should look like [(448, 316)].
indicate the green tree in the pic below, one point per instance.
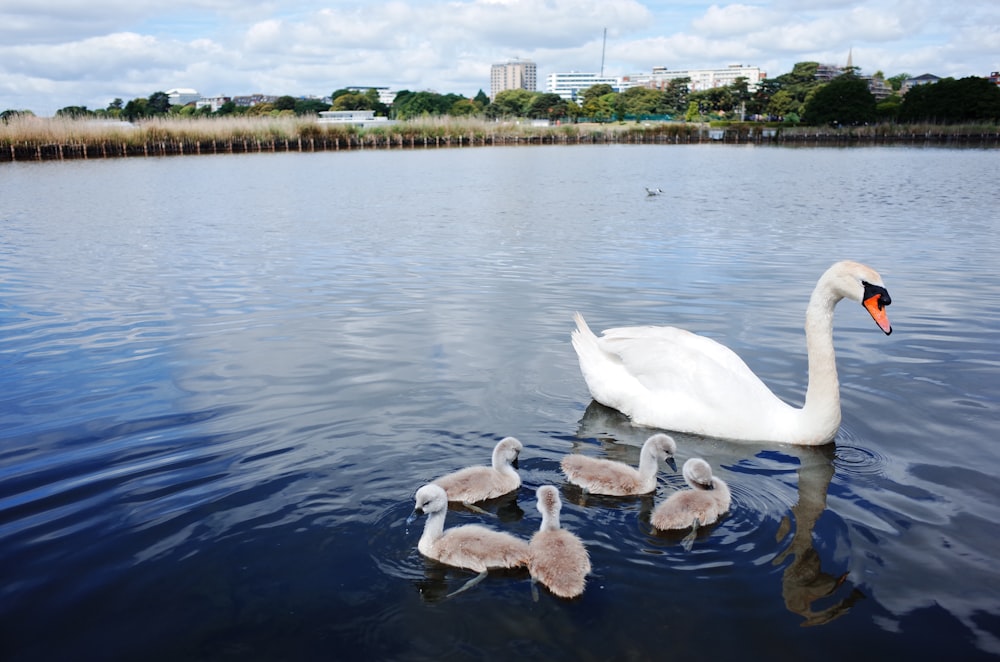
[(74, 112), (511, 103), (692, 114), (135, 109), (11, 114), (845, 100), (260, 109), (761, 97), (599, 108), (970, 99), (464, 108), (352, 101), (740, 91), (573, 111), (158, 103), (482, 100), (798, 84), (643, 101), (595, 92), (887, 110), (310, 106), (285, 103), (716, 100), (897, 81), (547, 106), (675, 95), (782, 103)]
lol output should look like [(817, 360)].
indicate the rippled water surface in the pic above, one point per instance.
[(223, 378)]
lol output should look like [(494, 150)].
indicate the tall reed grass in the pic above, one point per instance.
[(34, 138)]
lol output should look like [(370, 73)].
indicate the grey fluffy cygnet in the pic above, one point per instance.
[(704, 503), (557, 558), (479, 483), (469, 546), (601, 476)]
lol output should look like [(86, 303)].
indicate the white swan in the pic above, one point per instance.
[(600, 476), (703, 504), (672, 379), (479, 483), (470, 546), (556, 557), (653, 191)]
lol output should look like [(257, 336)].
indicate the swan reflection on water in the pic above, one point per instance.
[(804, 583)]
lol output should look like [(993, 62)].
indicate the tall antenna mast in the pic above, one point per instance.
[(603, 46)]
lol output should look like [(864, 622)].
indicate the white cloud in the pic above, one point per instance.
[(86, 52)]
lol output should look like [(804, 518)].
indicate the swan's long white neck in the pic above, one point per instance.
[(550, 519), (820, 416), (648, 464), (433, 529), (501, 465)]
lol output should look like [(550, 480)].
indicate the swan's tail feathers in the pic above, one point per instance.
[(582, 337), (581, 327), (589, 353)]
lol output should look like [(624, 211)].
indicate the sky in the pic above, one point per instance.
[(57, 53)]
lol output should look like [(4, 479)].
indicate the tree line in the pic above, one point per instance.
[(794, 97)]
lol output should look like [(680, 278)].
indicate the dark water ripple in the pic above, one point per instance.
[(215, 406)]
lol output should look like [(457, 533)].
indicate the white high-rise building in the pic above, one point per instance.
[(515, 74), (570, 86)]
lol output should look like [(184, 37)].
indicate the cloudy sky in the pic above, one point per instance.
[(56, 53)]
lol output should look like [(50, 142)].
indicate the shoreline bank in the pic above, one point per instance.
[(193, 139)]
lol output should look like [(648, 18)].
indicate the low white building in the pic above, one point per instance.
[(182, 96), (570, 85), (360, 118), (212, 103), (701, 79)]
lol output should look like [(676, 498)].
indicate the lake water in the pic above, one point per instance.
[(223, 378)]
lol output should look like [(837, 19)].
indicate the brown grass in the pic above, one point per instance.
[(28, 137)]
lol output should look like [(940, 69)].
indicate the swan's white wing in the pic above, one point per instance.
[(687, 370)]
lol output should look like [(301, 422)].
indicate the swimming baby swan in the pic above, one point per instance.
[(600, 476), (703, 504), (556, 557), (479, 483), (470, 546)]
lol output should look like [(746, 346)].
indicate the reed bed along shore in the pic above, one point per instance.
[(34, 139)]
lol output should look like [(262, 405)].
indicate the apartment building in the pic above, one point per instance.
[(514, 74)]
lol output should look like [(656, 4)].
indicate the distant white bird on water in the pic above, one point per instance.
[(471, 546), (479, 483), (653, 191), (601, 476), (556, 557)]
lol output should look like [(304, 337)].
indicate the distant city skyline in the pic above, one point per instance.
[(63, 53)]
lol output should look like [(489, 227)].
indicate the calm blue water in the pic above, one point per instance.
[(223, 378)]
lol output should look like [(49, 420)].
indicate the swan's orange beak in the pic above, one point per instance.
[(876, 308)]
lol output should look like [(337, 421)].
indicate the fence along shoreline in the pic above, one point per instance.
[(103, 148)]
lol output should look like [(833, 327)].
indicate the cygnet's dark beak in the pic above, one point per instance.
[(414, 515), (670, 461), (514, 463)]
